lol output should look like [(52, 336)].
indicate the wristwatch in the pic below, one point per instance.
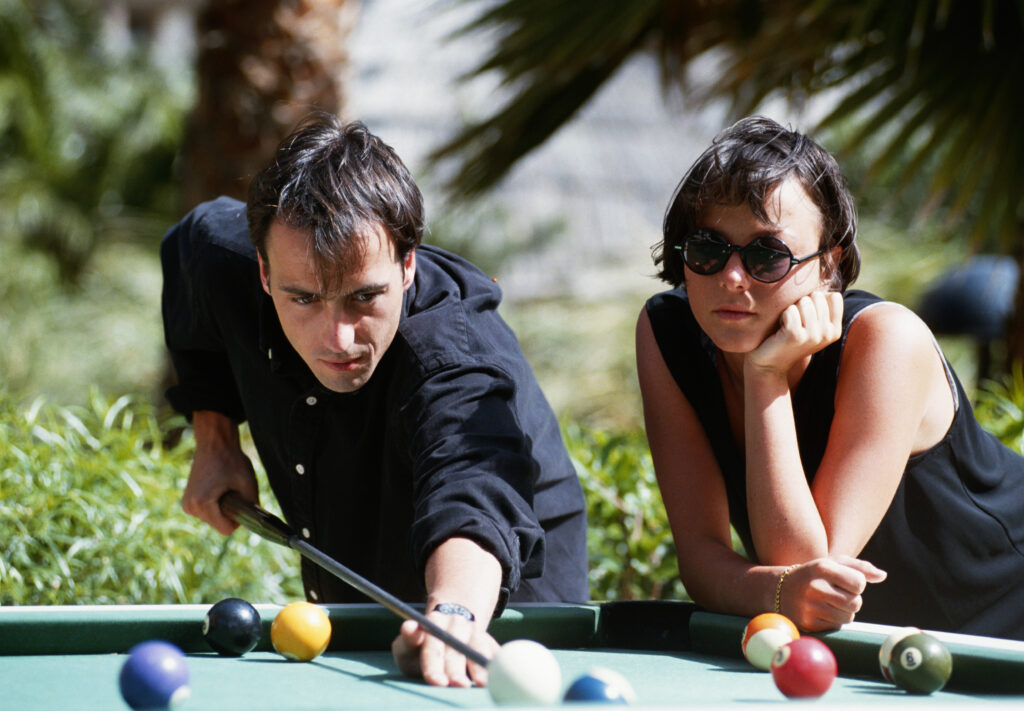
[(453, 608)]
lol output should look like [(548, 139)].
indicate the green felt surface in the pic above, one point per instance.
[(675, 655), (369, 680)]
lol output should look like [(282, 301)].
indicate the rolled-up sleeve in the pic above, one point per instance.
[(191, 272), (474, 471)]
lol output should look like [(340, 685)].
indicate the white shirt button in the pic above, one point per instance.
[(305, 533), (310, 400), (312, 594), (300, 469), (270, 354)]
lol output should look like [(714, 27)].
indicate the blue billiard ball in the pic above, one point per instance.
[(601, 686), (154, 676)]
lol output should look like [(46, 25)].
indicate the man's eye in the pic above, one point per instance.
[(367, 298), (304, 300)]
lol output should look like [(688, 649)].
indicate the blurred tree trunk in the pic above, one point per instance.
[(262, 66)]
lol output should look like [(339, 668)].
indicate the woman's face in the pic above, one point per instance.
[(736, 311)]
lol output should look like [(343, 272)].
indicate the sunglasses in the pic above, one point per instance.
[(766, 259)]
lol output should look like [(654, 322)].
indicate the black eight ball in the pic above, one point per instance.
[(232, 627)]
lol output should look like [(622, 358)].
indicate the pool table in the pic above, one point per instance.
[(675, 655)]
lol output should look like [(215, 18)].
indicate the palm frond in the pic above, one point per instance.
[(558, 55), (932, 86)]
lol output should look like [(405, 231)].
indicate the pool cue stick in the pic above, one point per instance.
[(265, 524)]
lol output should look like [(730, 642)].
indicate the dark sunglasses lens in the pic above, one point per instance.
[(705, 255), (767, 260)]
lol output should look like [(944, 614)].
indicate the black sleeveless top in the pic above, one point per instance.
[(952, 540)]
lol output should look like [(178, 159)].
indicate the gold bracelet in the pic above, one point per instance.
[(778, 587)]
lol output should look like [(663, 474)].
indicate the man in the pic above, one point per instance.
[(400, 426)]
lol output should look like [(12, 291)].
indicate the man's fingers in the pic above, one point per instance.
[(216, 518), (455, 668), (442, 665), (420, 654), (406, 647), (488, 646), (432, 662), (411, 634)]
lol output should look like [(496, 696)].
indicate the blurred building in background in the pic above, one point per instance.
[(595, 193), (576, 218)]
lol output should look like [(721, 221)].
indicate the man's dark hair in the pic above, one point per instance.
[(744, 164), (336, 182)]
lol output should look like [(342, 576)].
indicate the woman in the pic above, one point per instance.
[(823, 424)]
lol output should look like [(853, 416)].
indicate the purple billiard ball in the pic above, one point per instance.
[(154, 676), (232, 627)]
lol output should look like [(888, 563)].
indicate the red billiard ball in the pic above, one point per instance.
[(232, 627), (805, 668), (154, 676)]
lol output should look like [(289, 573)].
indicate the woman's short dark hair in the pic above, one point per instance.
[(336, 181), (744, 164)]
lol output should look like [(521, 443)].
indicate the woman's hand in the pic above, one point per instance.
[(806, 327), (825, 593)]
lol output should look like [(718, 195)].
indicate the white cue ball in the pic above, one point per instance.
[(524, 672)]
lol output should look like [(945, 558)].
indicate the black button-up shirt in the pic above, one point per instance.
[(450, 437)]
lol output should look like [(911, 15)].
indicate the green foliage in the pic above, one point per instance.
[(90, 513), (632, 555), (88, 135), (106, 334), (599, 388), (1000, 408), (557, 55), (929, 90)]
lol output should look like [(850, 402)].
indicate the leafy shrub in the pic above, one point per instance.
[(632, 555), (1000, 408), (90, 513), (88, 134)]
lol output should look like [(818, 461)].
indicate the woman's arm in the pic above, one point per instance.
[(694, 493), (892, 400), (822, 593), (785, 524)]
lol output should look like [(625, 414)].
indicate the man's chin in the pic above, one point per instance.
[(344, 383)]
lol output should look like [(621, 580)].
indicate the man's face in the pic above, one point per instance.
[(341, 336)]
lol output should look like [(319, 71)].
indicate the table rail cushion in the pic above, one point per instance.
[(980, 664)]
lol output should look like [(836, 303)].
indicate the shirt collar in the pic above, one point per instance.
[(273, 343)]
